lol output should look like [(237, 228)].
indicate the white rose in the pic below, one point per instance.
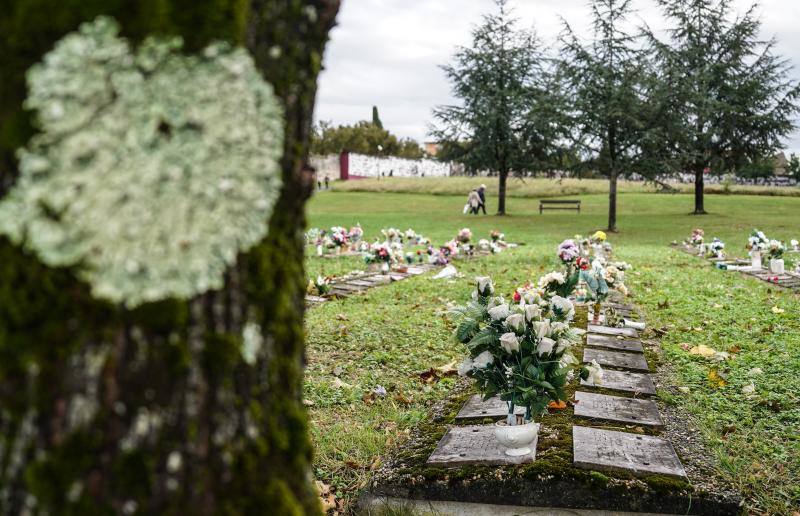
[(499, 312), (558, 327), (465, 367), (563, 344), (509, 342), (541, 328), (483, 360), (545, 346), (565, 306), (567, 359), (532, 312), (484, 284), (516, 322), (595, 373)]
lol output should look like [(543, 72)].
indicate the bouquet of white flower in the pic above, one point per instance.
[(717, 248), (757, 241), (775, 249), (319, 286), (518, 351)]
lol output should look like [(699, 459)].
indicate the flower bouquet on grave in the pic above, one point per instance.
[(696, 239), (463, 239), (338, 238), (380, 254), (355, 235), (319, 286), (392, 235), (596, 287), (775, 250), (757, 243), (436, 256), (795, 245), (412, 237), (519, 352), (484, 245), (497, 238), (559, 284), (716, 249), (316, 237), (614, 275)]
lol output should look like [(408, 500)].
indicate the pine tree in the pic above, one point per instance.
[(608, 107), (728, 99), (506, 98), (180, 421), (376, 119)]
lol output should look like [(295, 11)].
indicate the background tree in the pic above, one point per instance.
[(362, 138), (502, 83), (376, 119), (729, 100), (184, 422), (608, 104)]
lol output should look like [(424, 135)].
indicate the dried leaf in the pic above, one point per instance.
[(716, 379), (703, 351), (557, 405)]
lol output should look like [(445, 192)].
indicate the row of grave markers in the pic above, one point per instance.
[(788, 279), (355, 284), (619, 351)]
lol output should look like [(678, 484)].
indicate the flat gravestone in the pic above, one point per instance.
[(415, 271), (360, 282), (347, 287), (315, 299), (641, 383), (377, 279), (611, 342), (641, 455), (475, 407), (618, 359), (617, 408), (474, 445), (607, 330), (397, 276)]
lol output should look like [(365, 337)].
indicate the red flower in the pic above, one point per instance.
[(517, 296)]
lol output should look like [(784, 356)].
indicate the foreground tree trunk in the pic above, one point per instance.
[(156, 410), (699, 187)]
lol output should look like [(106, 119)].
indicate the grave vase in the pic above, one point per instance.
[(338, 249), (597, 308), (385, 267), (776, 266), (517, 438), (755, 259)]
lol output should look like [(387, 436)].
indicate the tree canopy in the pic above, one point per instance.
[(364, 137)]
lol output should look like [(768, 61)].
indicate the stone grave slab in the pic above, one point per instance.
[(377, 279), (641, 455), (607, 330), (617, 409), (360, 282), (315, 299), (612, 342), (347, 287), (397, 276), (415, 271), (476, 408), (474, 444), (633, 361), (641, 383)]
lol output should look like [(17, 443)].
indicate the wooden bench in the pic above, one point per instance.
[(559, 205)]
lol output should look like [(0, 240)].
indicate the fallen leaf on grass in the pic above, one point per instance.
[(341, 317), (326, 496), (755, 371), (557, 405), (776, 310), (734, 349), (448, 369), (338, 384), (749, 388), (402, 398), (703, 351), (716, 379)]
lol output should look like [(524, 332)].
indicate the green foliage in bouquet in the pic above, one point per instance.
[(519, 352)]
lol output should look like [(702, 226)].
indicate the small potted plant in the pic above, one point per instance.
[(775, 251), (519, 351)]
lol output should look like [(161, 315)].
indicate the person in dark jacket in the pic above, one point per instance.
[(482, 195)]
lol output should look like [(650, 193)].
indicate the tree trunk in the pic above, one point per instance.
[(698, 189), (155, 410), (612, 201), (501, 193)]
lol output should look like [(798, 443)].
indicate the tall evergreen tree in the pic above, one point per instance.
[(161, 409), (506, 95), (728, 99), (608, 108), (376, 119)]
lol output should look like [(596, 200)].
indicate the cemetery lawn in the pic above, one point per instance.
[(392, 334)]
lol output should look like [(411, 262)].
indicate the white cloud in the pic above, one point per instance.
[(389, 52)]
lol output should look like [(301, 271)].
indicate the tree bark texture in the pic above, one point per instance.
[(154, 410)]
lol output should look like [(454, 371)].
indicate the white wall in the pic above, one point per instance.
[(371, 166), (326, 166)]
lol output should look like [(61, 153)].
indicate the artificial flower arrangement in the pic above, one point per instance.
[(337, 238), (775, 249), (484, 245), (598, 237), (412, 257), (596, 287), (697, 237), (392, 235), (757, 242), (570, 255), (380, 253), (437, 256), (614, 275), (313, 235), (519, 352), (464, 236), (497, 237), (319, 286), (795, 245), (716, 249), (355, 234)]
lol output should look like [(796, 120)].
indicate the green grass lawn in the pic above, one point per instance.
[(393, 333)]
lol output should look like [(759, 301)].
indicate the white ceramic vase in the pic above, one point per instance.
[(516, 439), (755, 259), (776, 266), (319, 250), (384, 267)]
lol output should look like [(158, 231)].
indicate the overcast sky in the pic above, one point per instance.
[(387, 52)]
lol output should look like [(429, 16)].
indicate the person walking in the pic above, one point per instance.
[(474, 201), (327, 182), (482, 195)]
